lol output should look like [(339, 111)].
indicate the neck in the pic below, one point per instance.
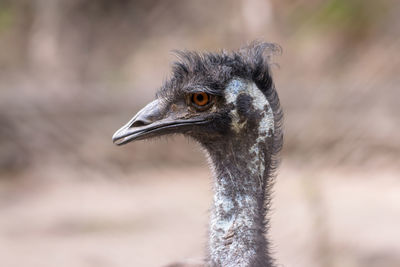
[(238, 223)]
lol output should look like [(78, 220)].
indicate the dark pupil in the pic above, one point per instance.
[(200, 97)]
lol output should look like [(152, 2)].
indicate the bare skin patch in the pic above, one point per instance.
[(237, 87)]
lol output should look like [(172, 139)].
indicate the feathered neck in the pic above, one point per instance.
[(242, 170), (240, 202)]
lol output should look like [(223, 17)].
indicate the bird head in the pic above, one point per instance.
[(211, 97)]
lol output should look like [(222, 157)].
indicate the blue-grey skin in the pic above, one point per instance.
[(240, 130)]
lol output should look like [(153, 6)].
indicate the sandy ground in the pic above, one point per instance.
[(341, 217)]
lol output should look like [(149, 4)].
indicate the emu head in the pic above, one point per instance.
[(213, 98)]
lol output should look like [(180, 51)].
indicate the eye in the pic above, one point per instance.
[(200, 99)]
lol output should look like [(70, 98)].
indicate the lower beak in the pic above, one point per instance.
[(150, 122)]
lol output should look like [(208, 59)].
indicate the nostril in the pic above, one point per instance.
[(139, 123), (146, 116)]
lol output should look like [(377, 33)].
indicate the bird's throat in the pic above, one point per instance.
[(238, 223)]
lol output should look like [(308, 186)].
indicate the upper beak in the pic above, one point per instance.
[(151, 121)]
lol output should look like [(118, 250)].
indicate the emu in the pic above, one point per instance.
[(227, 102)]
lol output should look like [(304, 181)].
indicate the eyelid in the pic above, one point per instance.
[(192, 90)]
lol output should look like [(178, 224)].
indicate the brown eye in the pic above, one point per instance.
[(200, 99)]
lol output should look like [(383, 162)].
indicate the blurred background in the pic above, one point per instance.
[(72, 72)]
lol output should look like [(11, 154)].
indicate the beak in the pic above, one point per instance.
[(153, 120)]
